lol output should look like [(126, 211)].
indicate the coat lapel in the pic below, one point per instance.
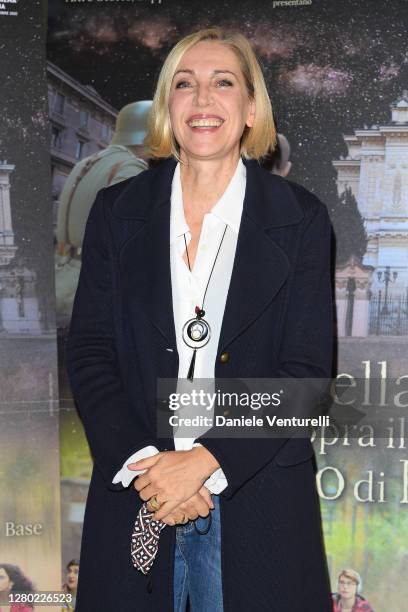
[(145, 257), (260, 266)]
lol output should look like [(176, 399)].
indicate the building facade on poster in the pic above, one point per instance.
[(19, 312), (376, 169), (81, 123), (372, 295)]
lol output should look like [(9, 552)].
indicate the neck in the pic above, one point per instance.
[(347, 604), (204, 181)]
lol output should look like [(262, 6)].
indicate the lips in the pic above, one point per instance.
[(205, 121)]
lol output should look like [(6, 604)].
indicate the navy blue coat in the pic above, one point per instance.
[(279, 325)]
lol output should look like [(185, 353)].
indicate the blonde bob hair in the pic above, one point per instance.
[(256, 141)]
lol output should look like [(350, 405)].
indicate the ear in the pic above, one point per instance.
[(251, 114)]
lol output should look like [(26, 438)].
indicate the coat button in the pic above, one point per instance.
[(224, 357), (149, 586)]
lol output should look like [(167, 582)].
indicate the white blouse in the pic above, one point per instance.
[(188, 291)]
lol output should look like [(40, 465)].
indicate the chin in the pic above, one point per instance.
[(203, 153)]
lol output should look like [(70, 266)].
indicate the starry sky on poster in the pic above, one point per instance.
[(331, 67)]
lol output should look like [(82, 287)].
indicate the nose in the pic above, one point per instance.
[(203, 95)]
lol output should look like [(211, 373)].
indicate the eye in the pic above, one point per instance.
[(224, 82), (181, 84)]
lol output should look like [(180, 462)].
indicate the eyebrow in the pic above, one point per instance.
[(214, 71)]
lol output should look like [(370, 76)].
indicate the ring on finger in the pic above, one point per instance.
[(154, 503)]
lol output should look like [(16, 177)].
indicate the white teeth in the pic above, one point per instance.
[(205, 122)]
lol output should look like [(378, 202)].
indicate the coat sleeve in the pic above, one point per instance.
[(306, 347), (110, 419)]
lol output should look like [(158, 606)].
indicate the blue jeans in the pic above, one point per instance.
[(197, 564)]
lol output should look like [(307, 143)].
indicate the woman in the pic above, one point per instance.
[(13, 582), (206, 238), (71, 584), (348, 597)]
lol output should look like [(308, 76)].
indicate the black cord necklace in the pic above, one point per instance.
[(197, 331)]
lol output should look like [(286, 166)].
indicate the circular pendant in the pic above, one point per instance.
[(196, 333)]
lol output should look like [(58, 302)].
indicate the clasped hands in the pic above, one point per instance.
[(177, 479)]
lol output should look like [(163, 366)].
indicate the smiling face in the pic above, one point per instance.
[(209, 104)]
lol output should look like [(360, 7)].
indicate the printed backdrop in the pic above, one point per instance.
[(30, 524), (337, 74)]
